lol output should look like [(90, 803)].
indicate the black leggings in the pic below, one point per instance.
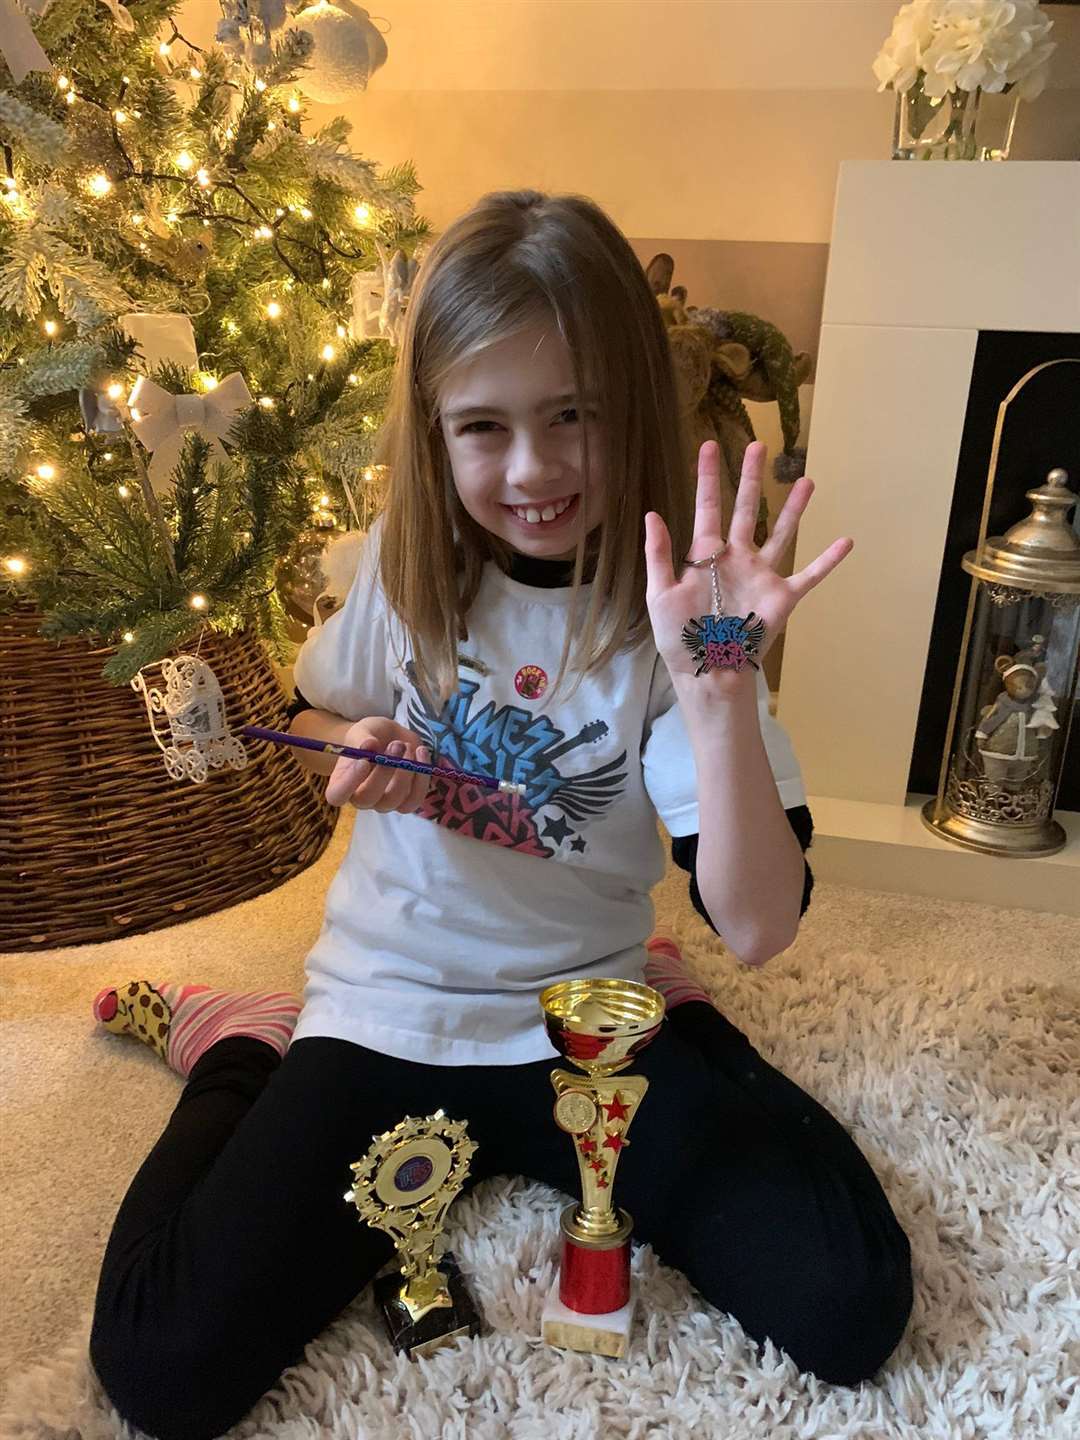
[(234, 1246)]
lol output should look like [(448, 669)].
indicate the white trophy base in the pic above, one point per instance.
[(596, 1334)]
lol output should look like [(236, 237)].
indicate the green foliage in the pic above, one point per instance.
[(253, 234)]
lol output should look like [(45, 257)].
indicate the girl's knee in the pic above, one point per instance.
[(848, 1332), (171, 1387)]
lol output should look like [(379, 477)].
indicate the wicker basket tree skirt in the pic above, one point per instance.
[(96, 841)]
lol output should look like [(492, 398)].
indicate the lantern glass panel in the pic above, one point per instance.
[(1013, 710)]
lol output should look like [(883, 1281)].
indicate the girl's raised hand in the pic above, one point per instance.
[(380, 787), (677, 593)]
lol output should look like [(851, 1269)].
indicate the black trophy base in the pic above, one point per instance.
[(438, 1327)]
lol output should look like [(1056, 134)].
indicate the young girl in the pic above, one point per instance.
[(519, 611)]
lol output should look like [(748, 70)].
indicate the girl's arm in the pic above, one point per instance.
[(684, 850), (319, 725), (750, 867)]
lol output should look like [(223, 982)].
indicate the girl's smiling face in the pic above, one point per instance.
[(512, 426)]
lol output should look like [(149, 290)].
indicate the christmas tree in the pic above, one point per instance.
[(198, 305)]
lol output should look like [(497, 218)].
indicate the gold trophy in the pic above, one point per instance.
[(404, 1185), (599, 1025)]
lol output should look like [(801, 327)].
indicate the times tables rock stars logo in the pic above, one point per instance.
[(522, 746)]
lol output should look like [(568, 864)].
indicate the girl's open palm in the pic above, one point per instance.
[(747, 575)]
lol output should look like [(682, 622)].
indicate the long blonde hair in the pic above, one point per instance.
[(516, 259)]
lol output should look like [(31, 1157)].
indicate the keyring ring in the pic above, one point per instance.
[(696, 564)]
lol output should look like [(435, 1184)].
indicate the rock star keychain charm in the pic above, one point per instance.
[(719, 641)]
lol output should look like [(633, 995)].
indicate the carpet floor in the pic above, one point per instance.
[(944, 1035)]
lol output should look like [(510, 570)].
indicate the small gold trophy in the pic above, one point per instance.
[(404, 1185), (599, 1025)]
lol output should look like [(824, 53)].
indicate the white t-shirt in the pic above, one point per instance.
[(442, 928)]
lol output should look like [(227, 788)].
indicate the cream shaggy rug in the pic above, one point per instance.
[(944, 1035)]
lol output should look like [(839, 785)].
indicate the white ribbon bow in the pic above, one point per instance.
[(164, 421), (19, 45)]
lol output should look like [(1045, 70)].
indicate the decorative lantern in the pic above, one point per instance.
[(1016, 684)]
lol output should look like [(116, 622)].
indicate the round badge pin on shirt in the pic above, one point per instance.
[(530, 682)]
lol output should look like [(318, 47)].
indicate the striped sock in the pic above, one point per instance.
[(181, 1022), (665, 970)]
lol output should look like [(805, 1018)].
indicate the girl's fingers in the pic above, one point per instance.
[(660, 574), (397, 784), (707, 521), (748, 500), (345, 777), (825, 564), (787, 522)]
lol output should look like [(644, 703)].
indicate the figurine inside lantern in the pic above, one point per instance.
[(1013, 732), (1016, 685), (194, 706)]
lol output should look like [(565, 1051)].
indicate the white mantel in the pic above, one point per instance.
[(923, 257)]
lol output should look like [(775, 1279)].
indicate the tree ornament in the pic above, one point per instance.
[(247, 27), (199, 736), (381, 297), (163, 421), (18, 44), (100, 415), (348, 49), (302, 582), (161, 338)]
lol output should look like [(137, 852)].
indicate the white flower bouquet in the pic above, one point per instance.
[(988, 45)]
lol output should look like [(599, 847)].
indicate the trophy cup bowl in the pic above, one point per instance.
[(599, 1025)]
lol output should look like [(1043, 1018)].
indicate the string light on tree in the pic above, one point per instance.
[(362, 214), (184, 160), (198, 601), (328, 352), (50, 327), (15, 565), (273, 309), (129, 637), (45, 472), (100, 184)]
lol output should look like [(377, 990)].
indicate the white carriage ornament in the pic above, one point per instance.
[(199, 736)]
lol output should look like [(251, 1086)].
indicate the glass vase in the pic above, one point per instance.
[(963, 125)]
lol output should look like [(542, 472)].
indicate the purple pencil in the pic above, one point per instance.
[(351, 752)]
